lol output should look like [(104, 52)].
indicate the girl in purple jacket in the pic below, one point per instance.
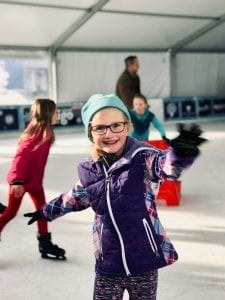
[(120, 183), (27, 170)]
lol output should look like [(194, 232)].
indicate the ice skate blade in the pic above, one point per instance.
[(46, 256)]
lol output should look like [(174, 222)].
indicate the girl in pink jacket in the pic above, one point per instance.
[(27, 171)]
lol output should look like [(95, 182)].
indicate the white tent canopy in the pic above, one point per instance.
[(113, 25), (167, 35)]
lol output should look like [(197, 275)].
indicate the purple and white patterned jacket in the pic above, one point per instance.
[(128, 236)]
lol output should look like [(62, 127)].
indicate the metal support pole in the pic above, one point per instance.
[(172, 71), (53, 89)]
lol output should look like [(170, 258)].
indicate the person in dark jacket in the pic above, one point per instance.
[(142, 118), (128, 83), (120, 183), (27, 171)]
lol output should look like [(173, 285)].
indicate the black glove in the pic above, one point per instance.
[(187, 142), (166, 140), (37, 215)]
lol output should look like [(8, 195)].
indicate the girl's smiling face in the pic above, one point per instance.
[(109, 141)]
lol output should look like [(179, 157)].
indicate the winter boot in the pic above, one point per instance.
[(49, 250), (2, 208)]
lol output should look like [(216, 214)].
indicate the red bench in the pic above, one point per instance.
[(170, 190)]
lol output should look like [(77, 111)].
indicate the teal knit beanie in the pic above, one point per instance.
[(98, 102)]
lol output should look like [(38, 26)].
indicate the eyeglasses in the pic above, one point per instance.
[(115, 128)]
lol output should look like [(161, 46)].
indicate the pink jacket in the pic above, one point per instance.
[(28, 165)]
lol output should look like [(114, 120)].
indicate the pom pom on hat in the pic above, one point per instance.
[(98, 102)]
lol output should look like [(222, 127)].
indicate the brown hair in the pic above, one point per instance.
[(130, 60), (142, 97), (41, 113)]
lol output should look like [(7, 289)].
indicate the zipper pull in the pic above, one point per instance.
[(157, 254)]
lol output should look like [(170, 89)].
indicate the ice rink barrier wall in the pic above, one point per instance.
[(168, 109), (15, 117)]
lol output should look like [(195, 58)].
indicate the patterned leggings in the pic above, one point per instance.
[(143, 287)]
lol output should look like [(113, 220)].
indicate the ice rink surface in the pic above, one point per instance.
[(196, 227)]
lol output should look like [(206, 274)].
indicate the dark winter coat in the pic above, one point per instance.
[(127, 86), (128, 236)]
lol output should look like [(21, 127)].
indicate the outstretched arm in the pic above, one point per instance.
[(182, 152), (159, 127), (75, 200)]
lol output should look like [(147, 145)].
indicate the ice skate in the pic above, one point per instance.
[(49, 250)]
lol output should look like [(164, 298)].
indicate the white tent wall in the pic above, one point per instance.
[(199, 74), (81, 74)]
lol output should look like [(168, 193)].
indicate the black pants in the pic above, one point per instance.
[(142, 287)]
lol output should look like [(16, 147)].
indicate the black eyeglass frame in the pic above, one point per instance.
[(105, 127)]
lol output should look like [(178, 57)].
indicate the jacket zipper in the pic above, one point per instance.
[(101, 251), (150, 237), (115, 225)]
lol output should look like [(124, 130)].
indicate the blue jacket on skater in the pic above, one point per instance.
[(142, 118)]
